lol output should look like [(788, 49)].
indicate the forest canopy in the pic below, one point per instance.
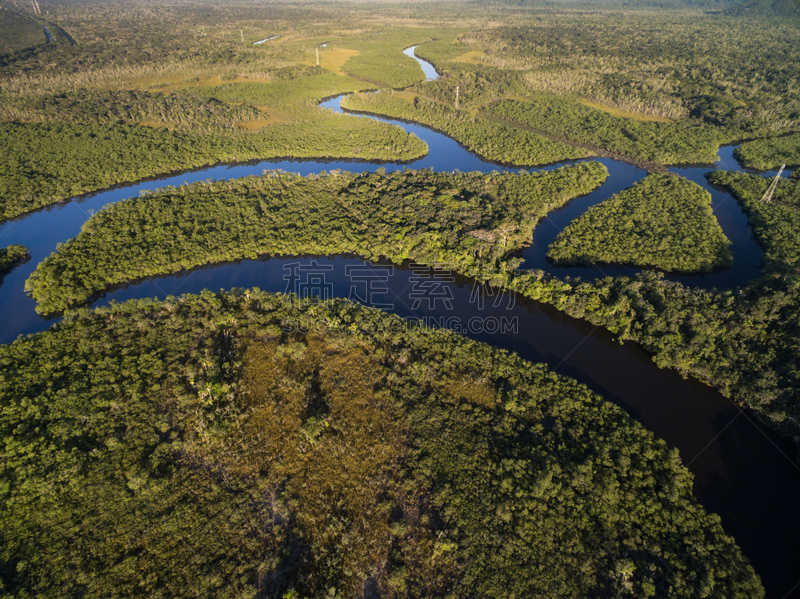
[(10, 257), (475, 221), (770, 153), (663, 221), (193, 447), (776, 224)]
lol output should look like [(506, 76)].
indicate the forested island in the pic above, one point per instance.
[(663, 222), (11, 256), (474, 221), (241, 443), (742, 342)]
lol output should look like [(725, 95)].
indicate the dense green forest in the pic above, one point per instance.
[(195, 448), (663, 221), (739, 341), (177, 112), (48, 162), (775, 224), (770, 153), (10, 257), (494, 141), (665, 143), (18, 32), (472, 220)]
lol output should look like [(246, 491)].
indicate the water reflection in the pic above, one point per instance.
[(739, 470)]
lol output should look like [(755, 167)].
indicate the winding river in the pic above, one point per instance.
[(742, 471)]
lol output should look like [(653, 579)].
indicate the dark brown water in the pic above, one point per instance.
[(742, 471)]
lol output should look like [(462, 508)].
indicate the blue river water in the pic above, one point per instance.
[(741, 470)]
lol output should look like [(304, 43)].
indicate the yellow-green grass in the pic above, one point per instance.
[(636, 116), (473, 56), (171, 84), (405, 95), (155, 124), (333, 59), (270, 116)]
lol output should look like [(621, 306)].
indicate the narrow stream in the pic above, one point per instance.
[(269, 39), (430, 71), (740, 468)]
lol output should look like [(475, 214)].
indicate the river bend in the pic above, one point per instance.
[(741, 470)]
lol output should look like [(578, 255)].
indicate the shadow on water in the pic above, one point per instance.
[(740, 469), (740, 472)]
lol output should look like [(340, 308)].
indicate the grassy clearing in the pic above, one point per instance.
[(169, 85), (409, 96), (472, 57), (333, 58), (636, 116), (272, 116), (156, 124)]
